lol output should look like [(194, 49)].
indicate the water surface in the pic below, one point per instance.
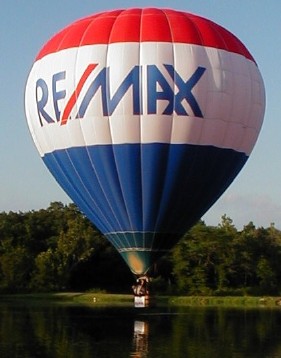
[(69, 330)]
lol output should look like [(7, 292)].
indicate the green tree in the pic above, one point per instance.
[(74, 246), (194, 258), (266, 276), (45, 276), (15, 269)]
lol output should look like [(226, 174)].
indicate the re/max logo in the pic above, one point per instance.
[(158, 89)]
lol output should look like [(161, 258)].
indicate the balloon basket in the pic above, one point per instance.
[(141, 301)]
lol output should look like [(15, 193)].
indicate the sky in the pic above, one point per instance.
[(26, 184)]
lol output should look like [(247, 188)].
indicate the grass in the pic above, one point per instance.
[(226, 301), (99, 298)]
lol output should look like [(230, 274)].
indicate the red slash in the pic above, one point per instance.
[(71, 102)]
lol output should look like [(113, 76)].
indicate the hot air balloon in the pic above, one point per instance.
[(144, 117)]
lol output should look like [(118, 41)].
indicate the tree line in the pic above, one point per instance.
[(57, 249)]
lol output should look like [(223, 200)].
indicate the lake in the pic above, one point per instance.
[(49, 329)]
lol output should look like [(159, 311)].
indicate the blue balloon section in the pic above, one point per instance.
[(143, 197)]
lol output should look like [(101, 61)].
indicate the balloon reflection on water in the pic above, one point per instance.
[(140, 340)]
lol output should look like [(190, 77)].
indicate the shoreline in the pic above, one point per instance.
[(95, 299)]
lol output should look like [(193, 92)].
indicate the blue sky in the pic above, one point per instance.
[(25, 183)]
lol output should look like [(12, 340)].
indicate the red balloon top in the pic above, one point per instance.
[(144, 25)]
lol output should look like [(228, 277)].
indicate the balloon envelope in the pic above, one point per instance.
[(144, 117)]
